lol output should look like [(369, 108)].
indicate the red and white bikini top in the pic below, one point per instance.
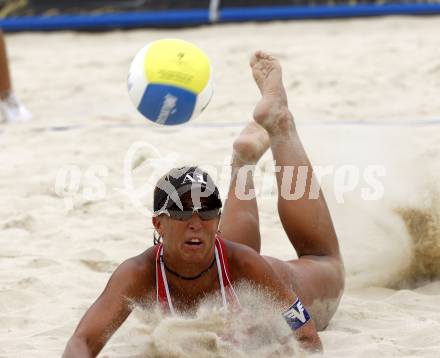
[(229, 297)]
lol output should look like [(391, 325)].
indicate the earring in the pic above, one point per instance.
[(157, 238)]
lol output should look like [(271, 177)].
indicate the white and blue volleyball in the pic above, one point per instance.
[(170, 81)]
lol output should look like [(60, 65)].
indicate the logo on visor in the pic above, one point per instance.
[(190, 179)]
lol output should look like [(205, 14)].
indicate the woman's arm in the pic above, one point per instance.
[(108, 312), (254, 268)]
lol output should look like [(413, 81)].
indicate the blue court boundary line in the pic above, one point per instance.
[(269, 13), (121, 20), (179, 18)]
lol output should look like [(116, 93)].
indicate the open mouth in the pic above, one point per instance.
[(194, 242)]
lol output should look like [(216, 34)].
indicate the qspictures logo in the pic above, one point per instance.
[(144, 164)]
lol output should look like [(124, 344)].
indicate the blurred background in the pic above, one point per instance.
[(191, 12)]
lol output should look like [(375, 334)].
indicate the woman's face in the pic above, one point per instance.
[(191, 240)]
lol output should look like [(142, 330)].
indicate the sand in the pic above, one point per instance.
[(364, 93)]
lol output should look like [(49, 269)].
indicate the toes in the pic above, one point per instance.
[(259, 55), (265, 55), (255, 58), (262, 61)]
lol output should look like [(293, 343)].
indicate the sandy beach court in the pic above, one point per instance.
[(365, 95)]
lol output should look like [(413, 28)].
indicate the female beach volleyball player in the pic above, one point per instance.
[(191, 259)]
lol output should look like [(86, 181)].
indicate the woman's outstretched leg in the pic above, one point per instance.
[(239, 220), (317, 275), (306, 220)]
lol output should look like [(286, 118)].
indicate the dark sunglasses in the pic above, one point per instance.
[(186, 214)]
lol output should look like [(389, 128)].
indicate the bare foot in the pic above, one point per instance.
[(271, 112), (250, 145)]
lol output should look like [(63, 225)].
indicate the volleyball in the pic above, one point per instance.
[(170, 81)]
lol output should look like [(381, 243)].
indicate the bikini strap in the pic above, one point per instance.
[(162, 291), (231, 296)]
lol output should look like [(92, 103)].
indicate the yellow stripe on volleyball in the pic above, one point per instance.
[(177, 63)]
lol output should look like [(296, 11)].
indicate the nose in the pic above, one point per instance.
[(195, 222)]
